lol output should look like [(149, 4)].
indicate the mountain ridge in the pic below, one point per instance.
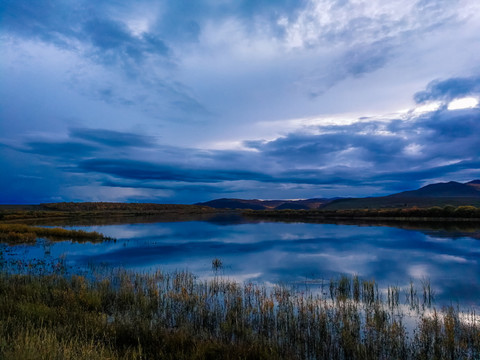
[(257, 204), (437, 194)]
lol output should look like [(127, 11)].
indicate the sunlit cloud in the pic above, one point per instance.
[(465, 103), (433, 106)]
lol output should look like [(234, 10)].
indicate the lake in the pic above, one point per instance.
[(299, 254)]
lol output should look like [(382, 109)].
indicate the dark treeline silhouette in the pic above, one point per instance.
[(435, 213), (98, 209)]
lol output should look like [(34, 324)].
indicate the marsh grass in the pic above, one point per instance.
[(123, 315), (99, 210), (402, 213), (20, 233)]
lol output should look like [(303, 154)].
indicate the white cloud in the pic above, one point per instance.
[(427, 107), (464, 103), (413, 149)]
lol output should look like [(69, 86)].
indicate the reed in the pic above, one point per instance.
[(126, 315), (20, 233)]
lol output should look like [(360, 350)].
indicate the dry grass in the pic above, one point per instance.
[(19, 233), (176, 316)]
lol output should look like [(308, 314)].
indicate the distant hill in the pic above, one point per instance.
[(439, 194), (449, 189), (255, 204), (475, 184)]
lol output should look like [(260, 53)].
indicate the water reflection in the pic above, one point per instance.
[(286, 252)]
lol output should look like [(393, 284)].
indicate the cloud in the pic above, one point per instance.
[(177, 187), (140, 94), (51, 21), (135, 68), (69, 26), (112, 138), (113, 43), (383, 156), (437, 144), (141, 170), (85, 143), (64, 150), (366, 58), (449, 89)]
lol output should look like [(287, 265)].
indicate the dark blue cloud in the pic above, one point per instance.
[(396, 154), (95, 33), (63, 150), (112, 138), (359, 140), (358, 61), (171, 186), (449, 89), (142, 170), (116, 43), (386, 155), (409, 177), (107, 34), (85, 143), (49, 21), (60, 22), (367, 58)]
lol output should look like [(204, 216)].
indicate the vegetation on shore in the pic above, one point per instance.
[(176, 316), (84, 210), (20, 233), (78, 212), (447, 213)]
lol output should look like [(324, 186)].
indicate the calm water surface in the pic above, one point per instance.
[(291, 253)]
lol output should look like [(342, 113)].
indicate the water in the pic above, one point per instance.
[(289, 253)]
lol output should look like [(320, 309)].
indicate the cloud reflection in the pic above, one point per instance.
[(391, 256)]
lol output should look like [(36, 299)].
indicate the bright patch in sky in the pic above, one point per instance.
[(428, 107), (465, 103), (413, 149), (138, 26)]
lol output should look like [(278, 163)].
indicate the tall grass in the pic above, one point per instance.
[(177, 316), (19, 233)]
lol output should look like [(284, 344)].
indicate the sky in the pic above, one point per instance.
[(188, 101)]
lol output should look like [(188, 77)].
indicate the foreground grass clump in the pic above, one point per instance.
[(175, 316), (19, 233)]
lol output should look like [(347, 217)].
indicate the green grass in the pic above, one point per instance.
[(176, 316), (20, 233)]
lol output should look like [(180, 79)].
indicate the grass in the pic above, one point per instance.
[(446, 213), (20, 233), (89, 210), (124, 315)]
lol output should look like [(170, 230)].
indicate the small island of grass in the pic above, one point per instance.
[(20, 233)]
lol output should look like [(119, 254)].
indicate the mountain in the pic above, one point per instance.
[(439, 194), (475, 184), (450, 189), (234, 204), (256, 204)]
